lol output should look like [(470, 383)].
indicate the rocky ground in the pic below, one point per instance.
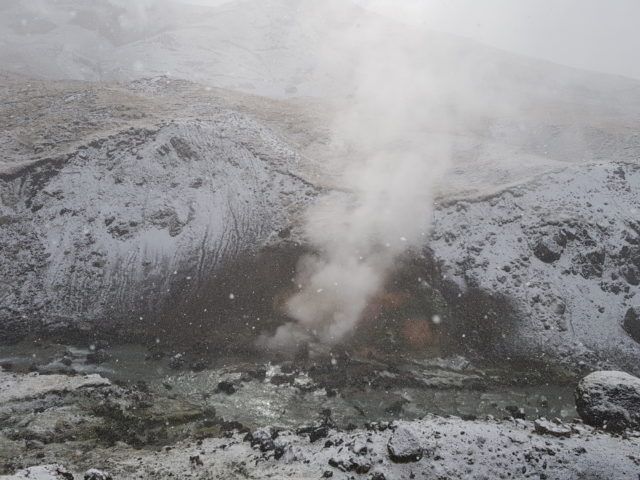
[(69, 425)]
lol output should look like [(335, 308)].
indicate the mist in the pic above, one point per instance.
[(591, 35)]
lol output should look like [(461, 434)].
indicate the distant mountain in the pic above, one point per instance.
[(267, 47)]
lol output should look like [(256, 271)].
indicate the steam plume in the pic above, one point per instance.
[(393, 153)]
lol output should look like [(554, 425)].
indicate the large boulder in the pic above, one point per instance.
[(404, 447), (548, 250), (631, 323), (609, 399)]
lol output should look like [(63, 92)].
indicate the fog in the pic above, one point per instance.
[(589, 34)]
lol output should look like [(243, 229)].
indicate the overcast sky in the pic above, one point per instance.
[(600, 35)]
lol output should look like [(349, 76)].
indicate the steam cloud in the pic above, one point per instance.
[(393, 151)]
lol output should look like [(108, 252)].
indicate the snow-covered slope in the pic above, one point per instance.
[(132, 219), (564, 250), (248, 45)]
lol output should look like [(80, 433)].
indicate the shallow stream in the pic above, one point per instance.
[(285, 394)]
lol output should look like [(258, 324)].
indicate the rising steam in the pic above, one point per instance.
[(402, 98)]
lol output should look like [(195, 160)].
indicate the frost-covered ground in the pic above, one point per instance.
[(451, 448)]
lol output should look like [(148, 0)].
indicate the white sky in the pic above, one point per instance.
[(599, 35)]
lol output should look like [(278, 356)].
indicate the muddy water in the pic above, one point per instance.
[(356, 392)]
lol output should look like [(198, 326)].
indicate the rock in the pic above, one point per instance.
[(95, 474), (547, 250), (631, 323), (315, 432), (43, 472), (98, 356), (261, 438), (177, 361), (350, 465), (14, 388), (404, 447), (631, 274), (282, 379), (557, 429), (516, 412), (198, 365), (360, 447), (609, 399), (226, 387), (259, 373)]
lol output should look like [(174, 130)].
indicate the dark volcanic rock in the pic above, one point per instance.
[(262, 438), (226, 387), (609, 399), (631, 274), (632, 323), (404, 447), (356, 465), (315, 432), (548, 250)]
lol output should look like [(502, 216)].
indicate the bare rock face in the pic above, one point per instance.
[(609, 399), (404, 447), (632, 323)]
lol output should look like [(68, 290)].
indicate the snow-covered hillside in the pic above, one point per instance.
[(125, 209)]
